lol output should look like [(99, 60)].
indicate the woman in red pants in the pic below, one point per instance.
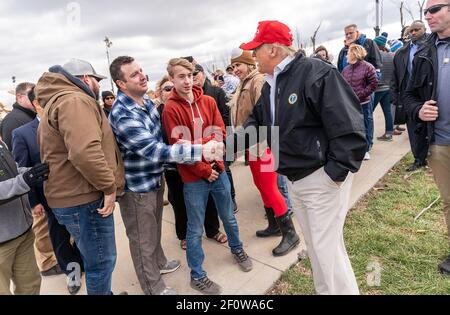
[(261, 160)]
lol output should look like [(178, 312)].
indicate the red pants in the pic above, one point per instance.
[(266, 180)]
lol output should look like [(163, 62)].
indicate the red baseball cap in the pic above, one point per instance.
[(270, 32)]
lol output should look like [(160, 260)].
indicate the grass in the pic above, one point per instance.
[(381, 230)]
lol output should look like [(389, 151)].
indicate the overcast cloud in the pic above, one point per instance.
[(38, 34)]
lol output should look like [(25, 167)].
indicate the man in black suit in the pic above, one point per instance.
[(403, 67), (26, 152)]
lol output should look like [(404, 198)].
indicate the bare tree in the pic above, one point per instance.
[(421, 6), (313, 38), (409, 10), (402, 17)]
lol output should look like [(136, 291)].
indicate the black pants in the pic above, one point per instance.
[(65, 252), (176, 199), (420, 152), (230, 177)]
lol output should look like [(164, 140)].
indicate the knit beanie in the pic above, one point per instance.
[(242, 56), (395, 45), (105, 94), (381, 40)]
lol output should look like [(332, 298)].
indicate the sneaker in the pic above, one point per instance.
[(367, 156), (385, 137), (170, 267), (206, 286), (54, 271), (243, 260), (168, 291)]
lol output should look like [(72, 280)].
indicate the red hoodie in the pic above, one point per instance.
[(204, 110)]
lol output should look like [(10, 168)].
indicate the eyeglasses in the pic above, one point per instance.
[(110, 98), (435, 8), (168, 88)]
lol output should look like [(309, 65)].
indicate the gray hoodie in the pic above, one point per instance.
[(15, 210)]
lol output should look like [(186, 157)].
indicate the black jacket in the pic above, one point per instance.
[(220, 97), (18, 117), (422, 87), (400, 78), (319, 118)]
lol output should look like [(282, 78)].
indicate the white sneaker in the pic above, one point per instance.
[(367, 156)]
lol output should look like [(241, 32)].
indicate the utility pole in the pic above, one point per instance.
[(108, 46), (377, 27)]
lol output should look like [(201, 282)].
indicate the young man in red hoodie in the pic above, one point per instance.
[(191, 115)]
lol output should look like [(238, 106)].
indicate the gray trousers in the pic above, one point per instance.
[(142, 217)]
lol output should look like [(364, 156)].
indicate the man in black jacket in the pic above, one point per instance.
[(353, 36), (321, 143), (403, 67), (428, 100), (22, 113)]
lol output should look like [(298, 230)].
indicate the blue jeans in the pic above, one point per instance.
[(384, 98), (95, 238), (368, 123), (196, 197), (282, 186)]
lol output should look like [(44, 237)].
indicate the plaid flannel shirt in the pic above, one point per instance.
[(139, 136)]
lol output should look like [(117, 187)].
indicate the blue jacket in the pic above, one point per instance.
[(25, 150)]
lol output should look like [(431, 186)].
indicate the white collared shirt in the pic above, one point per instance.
[(272, 80)]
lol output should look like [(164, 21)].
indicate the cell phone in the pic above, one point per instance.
[(216, 168)]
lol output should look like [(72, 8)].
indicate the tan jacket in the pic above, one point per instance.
[(77, 142), (241, 106)]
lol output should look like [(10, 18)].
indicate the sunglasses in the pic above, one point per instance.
[(110, 98), (435, 8), (168, 88)]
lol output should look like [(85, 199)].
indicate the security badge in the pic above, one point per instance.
[(293, 98)]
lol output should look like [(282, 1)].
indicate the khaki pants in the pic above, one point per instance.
[(18, 264), (142, 217), (440, 164), (43, 248), (321, 207)]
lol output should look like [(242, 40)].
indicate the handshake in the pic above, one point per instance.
[(213, 151)]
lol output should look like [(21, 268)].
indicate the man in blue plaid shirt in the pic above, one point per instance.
[(137, 127)]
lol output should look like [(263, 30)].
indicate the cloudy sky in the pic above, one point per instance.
[(35, 35)]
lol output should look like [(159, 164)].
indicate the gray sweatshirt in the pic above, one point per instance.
[(15, 210)]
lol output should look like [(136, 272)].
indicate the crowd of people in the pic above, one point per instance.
[(66, 160)]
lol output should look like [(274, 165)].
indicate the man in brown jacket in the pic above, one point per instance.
[(86, 169)]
